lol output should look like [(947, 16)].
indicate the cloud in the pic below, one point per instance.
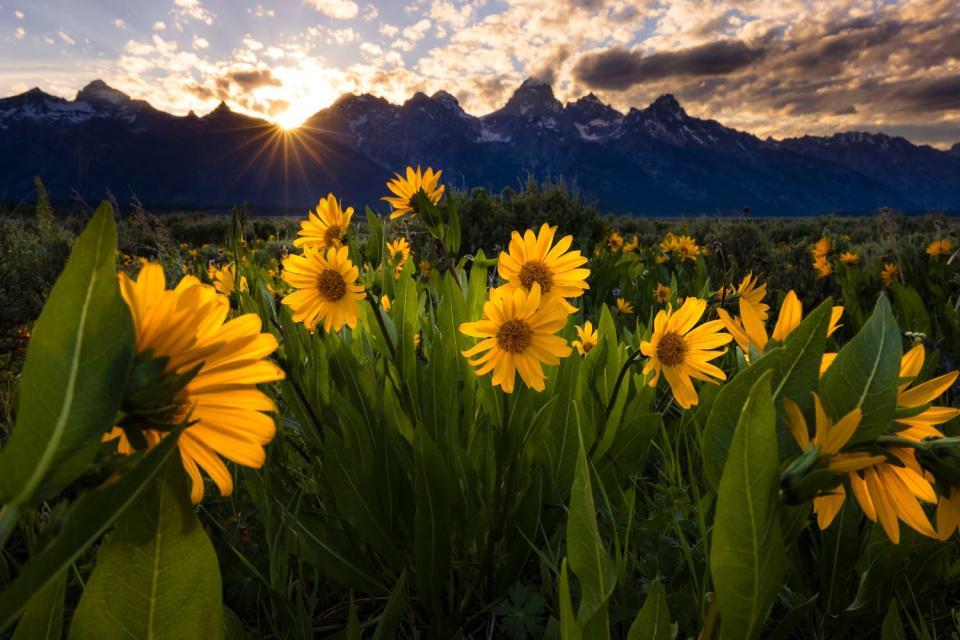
[(19, 14), (192, 9), (119, 24), (370, 13), (159, 25), (260, 12), (337, 9), (250, 79), (19, 33), (200, 42), (66, 38), (619, 68), (417, 31), (389, 30)]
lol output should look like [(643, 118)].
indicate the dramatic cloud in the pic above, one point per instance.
[(619, 68)]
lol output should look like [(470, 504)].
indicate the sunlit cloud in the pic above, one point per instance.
[(66, 37), (338, 9)]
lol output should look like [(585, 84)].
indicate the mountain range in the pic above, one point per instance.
[(653, 161)]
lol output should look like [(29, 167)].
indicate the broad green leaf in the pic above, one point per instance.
[(43, 617), (75, 373), (589, 560), (375, 242), (865, 375), (157, 574), (747, 557), (569, 629), (653, 620), (85, 521), (892, 625), (911, 311), (432, 518), (392, 616), (406, 310)]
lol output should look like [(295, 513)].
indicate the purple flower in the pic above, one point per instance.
[(617, 292)]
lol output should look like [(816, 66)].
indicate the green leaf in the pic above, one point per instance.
[(747, 558), (334, 553), (431, 520), (75, 372), (157, 575), (865, 375), (43, 617), (892, 625), (653, 620), (375, 243), (392, 616), (589, 560), (85, 521), (912, 312), (569, 629)]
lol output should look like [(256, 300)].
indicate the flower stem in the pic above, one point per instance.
[(383, 327), (616, 387)]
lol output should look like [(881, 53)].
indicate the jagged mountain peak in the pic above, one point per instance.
[(100, 93), (667, 106), (533, 97), (446, 98), (955, 149)]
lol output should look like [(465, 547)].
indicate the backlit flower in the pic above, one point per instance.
[(327, 288), (535, 259), (404, 188), (588, 338), (623, 306), (941, 247), (326, 226), (225, 280), (821, 248), (682, 351), (189, 326), (890, 273), (849, 257), (517, 337), (615, 241), (661, 293), (822, 266)]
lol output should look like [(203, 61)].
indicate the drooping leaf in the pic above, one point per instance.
[(75, 372), (157, 576), (747, 557), (85, 521)]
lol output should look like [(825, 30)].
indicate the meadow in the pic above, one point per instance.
[(476, 415)]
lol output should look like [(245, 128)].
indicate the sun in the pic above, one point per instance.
[(290, 119)]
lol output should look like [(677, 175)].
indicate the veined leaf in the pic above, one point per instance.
[(653, 620), (157, 575), (75, 373), (43, 617), (865, 375), (747, 558), (569, 629), (87, 519)]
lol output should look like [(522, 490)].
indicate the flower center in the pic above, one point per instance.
[(671, 349), (514, 336), (536, 271), (331, 237), (331, 285), (587, 346)]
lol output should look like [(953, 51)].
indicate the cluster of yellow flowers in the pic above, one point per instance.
[(685, 247), (821, 256)]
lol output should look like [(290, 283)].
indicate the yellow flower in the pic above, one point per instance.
[(849, 257), (399, 247), (631, 246), (194, 253), (225, 280), (889, 274), (187, 325), (661, 293), (518, 336), (326, 226), (615, 241), (940, 247), (886, 491), (749, 331), (425, 269), (385, 302), (416, 340), (821, 249), (751, 292), (921, 426), (184, 246), (822, 266), (326, 286), (588, 338), (535, 259), (405, 188), (623, 306), (681, 350), (669, 243), (660, 259), (687, 248)]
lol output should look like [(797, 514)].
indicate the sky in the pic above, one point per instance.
[(772, 67)]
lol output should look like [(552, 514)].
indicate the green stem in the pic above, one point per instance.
[(8, 521), (383, 327), (616, 387)]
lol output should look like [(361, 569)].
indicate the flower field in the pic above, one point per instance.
[(431, 425)]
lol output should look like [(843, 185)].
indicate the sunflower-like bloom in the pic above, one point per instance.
[(588, 338), (748, 328), (632, 245), (684, 246), (326, 226), (890, 273), (624, 307), (225, 280), (822, 266), (615, 241), (887, 491), (535, 259), (681, 350), (940, 247), (518, 336), (399, 250), (188, 325), (385, 302), (405, 188), (752, 292), (661, 293), (326, 286), (821, 248), (425, 269), (849, 257)]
